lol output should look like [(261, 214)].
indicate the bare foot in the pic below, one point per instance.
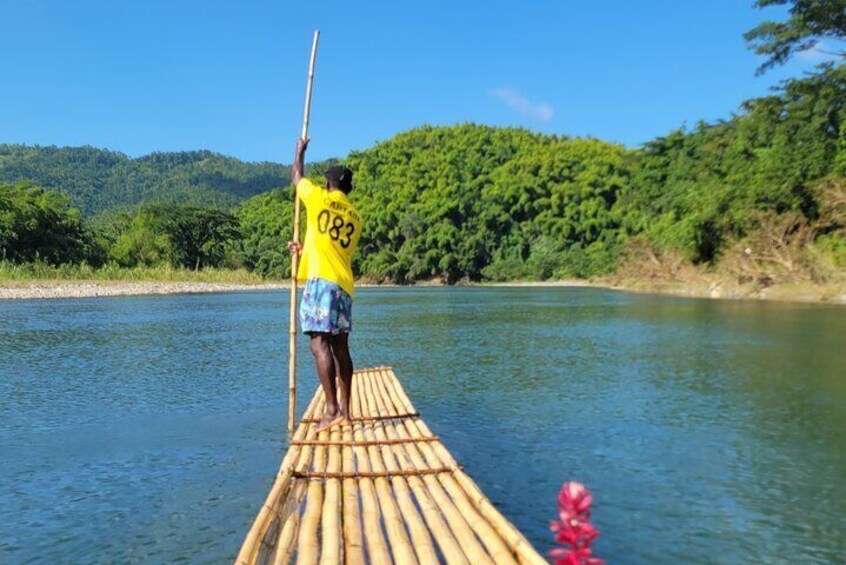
[(330, 421)]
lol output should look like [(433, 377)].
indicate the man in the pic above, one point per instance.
[(333, 228)]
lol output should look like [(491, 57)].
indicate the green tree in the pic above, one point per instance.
[(266, 224), (182, 236), (39, 225), (810, 22), (695, 191), (200, 236), (446, 202)]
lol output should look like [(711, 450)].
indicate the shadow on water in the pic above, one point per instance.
[(149, 429)]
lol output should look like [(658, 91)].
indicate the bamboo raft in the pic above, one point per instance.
[(381, 489)]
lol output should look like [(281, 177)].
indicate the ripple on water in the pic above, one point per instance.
[(143, 429)]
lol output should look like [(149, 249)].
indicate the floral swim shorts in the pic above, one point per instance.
[(325, 308)]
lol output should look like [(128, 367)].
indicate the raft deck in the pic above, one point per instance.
[(382, 489)]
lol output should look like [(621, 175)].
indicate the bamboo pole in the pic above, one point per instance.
[(352, 443), (252, 543), (377, 549), (498, 550), (331, 535), (290, 528), (460, 528), (384, 474), (308, 542), (400, 544), (517, 542), (491, 539), (450, 548), (353, 537), (289, 532), (295, 259), (419, 532)]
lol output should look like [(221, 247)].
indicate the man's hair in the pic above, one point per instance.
[(339, 177)]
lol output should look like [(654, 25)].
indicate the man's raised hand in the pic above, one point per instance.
[(302, 145), (295, 247), (298, 168)]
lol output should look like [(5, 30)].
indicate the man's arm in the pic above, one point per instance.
[(298, 168)]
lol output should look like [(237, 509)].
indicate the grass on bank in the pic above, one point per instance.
[(112, 272)]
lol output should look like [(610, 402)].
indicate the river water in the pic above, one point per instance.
[(149, 429)]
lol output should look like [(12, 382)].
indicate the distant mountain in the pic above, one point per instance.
[(99, 179)]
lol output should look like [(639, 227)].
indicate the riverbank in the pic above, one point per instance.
[(16, 289), (720, 290), (58, 288), (713, 289)]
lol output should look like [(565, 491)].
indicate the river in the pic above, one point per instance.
[(148, 429)]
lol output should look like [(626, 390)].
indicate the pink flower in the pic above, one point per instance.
[(579, 534), (573, 528), (575, 557), (573, 501)]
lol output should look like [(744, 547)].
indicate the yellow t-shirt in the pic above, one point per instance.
[(333, 228)]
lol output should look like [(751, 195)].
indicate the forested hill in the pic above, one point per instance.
[(475, 202), (759, 198), (98, 179)]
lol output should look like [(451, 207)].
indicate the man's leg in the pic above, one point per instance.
[(324, 360), (344, 364)]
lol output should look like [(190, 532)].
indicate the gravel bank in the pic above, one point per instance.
[(21, 289), (83, 289)]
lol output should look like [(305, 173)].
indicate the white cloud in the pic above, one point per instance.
[(516, 101), (811, 55), (818, 53)]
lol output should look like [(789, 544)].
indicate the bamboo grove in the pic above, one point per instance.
[(760, 195)]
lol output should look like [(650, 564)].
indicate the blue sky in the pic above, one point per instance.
[(152, 75)]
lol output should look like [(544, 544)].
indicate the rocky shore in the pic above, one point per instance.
[(832, 293), (21, 289), (85, 289), (807, 292)]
